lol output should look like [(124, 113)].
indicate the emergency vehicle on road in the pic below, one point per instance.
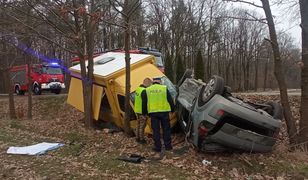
[(45, 77)]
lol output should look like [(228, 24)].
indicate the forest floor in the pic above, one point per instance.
[(92, 154)]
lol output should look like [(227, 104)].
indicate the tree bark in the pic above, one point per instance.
[(8, 83), (304, 76), (127, 127), (30, 87), (256, 73), (279, 74)]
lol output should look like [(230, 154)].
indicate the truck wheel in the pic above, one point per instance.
[(215, 86), (37, 90), (18, 91), (57, 91)]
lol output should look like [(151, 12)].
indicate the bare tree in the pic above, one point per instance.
[(304, 75), (279, 72), (77, 22), (5, 68), (7, 59), (129, 7)]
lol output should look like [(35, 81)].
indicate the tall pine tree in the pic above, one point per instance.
[(199, 66), (179, 69), (169, 67)]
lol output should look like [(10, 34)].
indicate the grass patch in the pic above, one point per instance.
[(71, 150), (75, 137), (6, 137), (303, 170), (76, 143), (50, 105), (17, 125)]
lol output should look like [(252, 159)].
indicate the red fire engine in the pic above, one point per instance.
[(45, 77)]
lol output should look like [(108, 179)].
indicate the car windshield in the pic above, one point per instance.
[(170, 86), (51, 70), (159, 61), (165, 81)]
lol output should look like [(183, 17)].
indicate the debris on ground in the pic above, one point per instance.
[(133, 158), (37, 149), (206, 162)]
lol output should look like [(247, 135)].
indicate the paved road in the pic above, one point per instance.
[(3, 97), (291, 92)]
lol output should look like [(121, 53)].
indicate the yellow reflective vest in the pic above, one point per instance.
[(138, 100), (157, 99)]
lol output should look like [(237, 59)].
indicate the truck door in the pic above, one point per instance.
[(75, 96), (121, 103)]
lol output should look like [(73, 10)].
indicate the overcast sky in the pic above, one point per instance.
[(286, 19)]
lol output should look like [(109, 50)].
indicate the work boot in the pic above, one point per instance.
[(142, 141), (168, 148), (156, 150)]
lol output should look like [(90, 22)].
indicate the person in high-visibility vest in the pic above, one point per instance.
[(157, 102), (141, 119)]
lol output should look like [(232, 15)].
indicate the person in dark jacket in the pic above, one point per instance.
[(157, 102)]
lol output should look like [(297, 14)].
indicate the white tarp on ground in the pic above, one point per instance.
[(37, 149)]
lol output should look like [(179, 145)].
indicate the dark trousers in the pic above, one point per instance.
[(157, 120)]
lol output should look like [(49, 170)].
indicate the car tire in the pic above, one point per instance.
[(212, 147), (276, 111), (215, 86), (37, 90)]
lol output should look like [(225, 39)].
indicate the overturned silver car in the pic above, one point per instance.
[(216, 121)]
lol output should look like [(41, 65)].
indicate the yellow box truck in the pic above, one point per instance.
[(109, 86)]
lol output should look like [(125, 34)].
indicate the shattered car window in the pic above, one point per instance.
[(170, 86)]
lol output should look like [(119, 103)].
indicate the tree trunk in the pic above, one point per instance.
[(127, 128), (10, 95), (30, 87), (256, 73), (279, 74), (8, 84), (265, 74), (87, 93), (304, 76)]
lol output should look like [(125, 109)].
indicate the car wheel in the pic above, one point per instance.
[(276, 110), (187, 74), (212, 147), (37, 90), (214, 86)]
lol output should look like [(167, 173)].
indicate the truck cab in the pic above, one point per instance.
[(109, 86)]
